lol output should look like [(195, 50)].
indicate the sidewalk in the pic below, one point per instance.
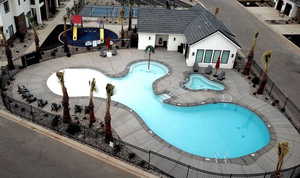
[(269, 13)]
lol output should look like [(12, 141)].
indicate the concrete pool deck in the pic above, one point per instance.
[(131, 130)]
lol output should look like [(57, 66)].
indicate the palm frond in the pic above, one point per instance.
[(149, 49), (110, 89), (266, 59)]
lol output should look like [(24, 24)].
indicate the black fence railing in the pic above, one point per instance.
[(280, 100), (145, 159)]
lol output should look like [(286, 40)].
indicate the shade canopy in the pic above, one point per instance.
[(76, 19)]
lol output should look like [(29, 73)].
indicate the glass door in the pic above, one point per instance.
[(199, 56)]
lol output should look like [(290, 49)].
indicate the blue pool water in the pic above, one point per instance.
[(199, 82), (219, 130)]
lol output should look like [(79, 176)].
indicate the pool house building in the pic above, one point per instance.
[(195, 32)]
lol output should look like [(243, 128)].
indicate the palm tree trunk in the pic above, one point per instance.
[(91, 111), (130, 16), (263, 83), (107, 119), (149, 60), (65, 103), (37, 44), (249, 63), (9, 57), (8, 52)]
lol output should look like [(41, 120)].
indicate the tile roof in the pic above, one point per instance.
[(195, 23)]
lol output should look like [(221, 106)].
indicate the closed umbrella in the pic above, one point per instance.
[(217, 66)]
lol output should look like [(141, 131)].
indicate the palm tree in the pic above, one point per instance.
[(283, 149), (65, 99), (131, 3), (66, 47), (250, 56), (36, 37), (8, 53), (107, 118), (217, 10), (264, 78), (149, 49), (91, 103)]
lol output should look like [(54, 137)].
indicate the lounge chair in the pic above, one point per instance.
[(31, 99), (55, 107), (42, 103), (77, 109), (103, 52), (114, 52), (221, 76), (208, 70), (86, 109)]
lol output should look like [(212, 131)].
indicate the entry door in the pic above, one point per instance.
[(279, 5), (199, 56), (287, 9)]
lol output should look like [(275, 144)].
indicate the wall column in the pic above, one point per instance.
[(38, 15)]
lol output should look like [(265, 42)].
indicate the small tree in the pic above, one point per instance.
[(217, 10), (264, 77), (250, 56), (36, 37), (8, 53), (65, 99), (107, 118), (66, 47), (283, 149), (149, 49), (91, 103)]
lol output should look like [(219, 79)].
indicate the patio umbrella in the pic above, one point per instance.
[(217, 66)]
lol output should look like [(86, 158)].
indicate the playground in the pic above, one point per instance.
[(80, 36), (89, 36)]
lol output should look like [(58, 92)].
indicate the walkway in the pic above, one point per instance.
[(132, 130), (25, 153)]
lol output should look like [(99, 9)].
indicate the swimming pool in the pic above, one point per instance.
[(221, 130), (199, 82)]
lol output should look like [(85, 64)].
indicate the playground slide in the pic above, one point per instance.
[(102, 35), (74, 33)]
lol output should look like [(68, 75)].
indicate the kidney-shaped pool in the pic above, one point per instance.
[(220, 130)]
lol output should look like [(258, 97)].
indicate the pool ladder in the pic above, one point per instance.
[(216, 158)]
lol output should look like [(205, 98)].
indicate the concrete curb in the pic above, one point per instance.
[(77, 146)]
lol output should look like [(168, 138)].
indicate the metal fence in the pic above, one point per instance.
[(284, 104), (145, 159)]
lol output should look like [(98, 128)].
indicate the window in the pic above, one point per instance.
[(217, 54), (207, 57), (18, 2), (199, 56), (225, 56), (174, 39), (149, 37), (6, 7)]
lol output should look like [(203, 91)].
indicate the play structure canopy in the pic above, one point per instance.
[(76, 19)]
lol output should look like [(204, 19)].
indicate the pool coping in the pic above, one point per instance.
[(187, 75), (244, 160)]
